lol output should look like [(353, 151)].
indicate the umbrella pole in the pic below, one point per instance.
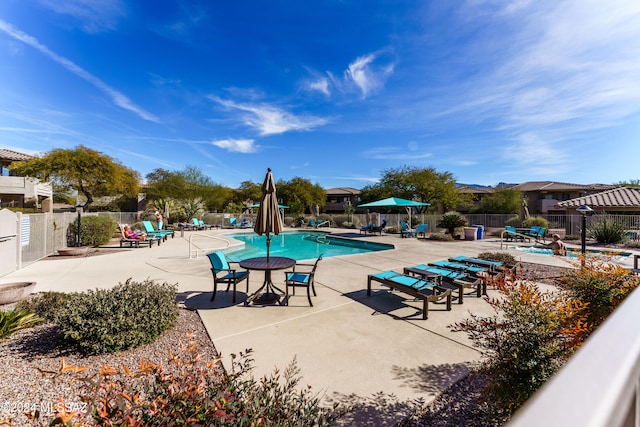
[(268, 245)]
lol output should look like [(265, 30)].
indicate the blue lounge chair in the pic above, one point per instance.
[(416, 287), (459, 280), (458, 266), (405, 231), (421, 229), (495, 267), (219, 264), (233, 222), (512, 234), (163, 234)]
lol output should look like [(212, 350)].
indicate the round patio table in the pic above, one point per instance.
[(267, 294)]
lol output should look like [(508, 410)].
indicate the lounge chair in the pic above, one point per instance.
[(405, 231), (458, 266), (136, 243), (536, 232), (301, 279), (219, 264), (459, 280), (421, 229), (163, 234), (321, 223), (233, 222), (495, 267), (366, 228), (416, 287)]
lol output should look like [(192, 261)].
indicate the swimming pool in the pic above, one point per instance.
[(571, 252), (300, 245)]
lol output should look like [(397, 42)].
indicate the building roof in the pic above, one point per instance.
[(560, 186), (343, 191), (622, 197), (13, 156)]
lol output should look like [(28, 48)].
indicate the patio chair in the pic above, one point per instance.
[(418, 288), (366, 228), (406, 231), (219, 264), (233, 222), (163, 234), (301, 279), (421, 229)]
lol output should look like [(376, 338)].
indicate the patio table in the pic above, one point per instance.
[(267, 294)]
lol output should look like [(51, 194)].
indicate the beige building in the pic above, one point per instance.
[(18, 191)]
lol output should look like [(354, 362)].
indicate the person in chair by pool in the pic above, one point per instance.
[(557, 245)]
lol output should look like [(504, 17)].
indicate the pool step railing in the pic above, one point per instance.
[(515, 235), (195, 249)]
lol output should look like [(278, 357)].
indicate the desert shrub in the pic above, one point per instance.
[(94, 231), (441, 237), (128, 315), (601, 285), (504, 257), (13, 320), (528, 339), (452, 220), (196, 393), (536, 220), (514, 221), (632, 244), (45, 304), (345, 221), (606, 230)]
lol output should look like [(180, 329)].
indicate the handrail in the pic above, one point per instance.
[(599, 385), (208, 236), (511, 233)]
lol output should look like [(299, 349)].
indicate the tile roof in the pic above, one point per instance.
[(13, 155), (343, 190), (560, 186), (622, 197)]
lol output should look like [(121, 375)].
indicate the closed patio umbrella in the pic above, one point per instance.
[(268, 221)]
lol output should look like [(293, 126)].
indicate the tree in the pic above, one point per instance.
[(299, 194), (421, 184), (84, 171), (501, 201)]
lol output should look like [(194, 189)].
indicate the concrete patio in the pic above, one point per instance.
[(348, 346)]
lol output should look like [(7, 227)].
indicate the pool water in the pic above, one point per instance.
[(571, 252), (300, 245)]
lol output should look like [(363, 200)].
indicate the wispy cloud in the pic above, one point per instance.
[(269, 119), (236, 145), (95, 16), (567, 69), (366, 75), (117, 97), (395, 153)]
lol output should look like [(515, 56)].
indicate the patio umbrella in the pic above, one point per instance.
[(268, 221), (395, 202)]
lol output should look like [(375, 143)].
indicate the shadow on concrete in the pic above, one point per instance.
[(385, 302), (379, 409), (196, 300), (432, 378)]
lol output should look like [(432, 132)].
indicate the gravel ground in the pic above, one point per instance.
[(28, 351)]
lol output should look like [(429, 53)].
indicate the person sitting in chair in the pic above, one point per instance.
[(130, 234)]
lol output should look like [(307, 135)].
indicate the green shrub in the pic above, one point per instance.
[(441, 237), (108, 320), (452, 220), (536, 220), (504, 257), (45, 304), (514, 221), (94, 231), (13, 320), (607, 231)]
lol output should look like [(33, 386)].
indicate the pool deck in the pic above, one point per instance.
[(348, 346)]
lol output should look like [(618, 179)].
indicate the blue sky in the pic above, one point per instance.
[(332, 91)]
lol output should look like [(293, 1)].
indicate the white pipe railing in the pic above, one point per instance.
[(598, 387), (191, 244)]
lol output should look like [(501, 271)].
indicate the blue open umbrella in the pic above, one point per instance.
[(395, 202)]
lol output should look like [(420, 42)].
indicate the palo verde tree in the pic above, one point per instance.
[(421, 184), (501, 201), (89, 172), (300, 194)]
